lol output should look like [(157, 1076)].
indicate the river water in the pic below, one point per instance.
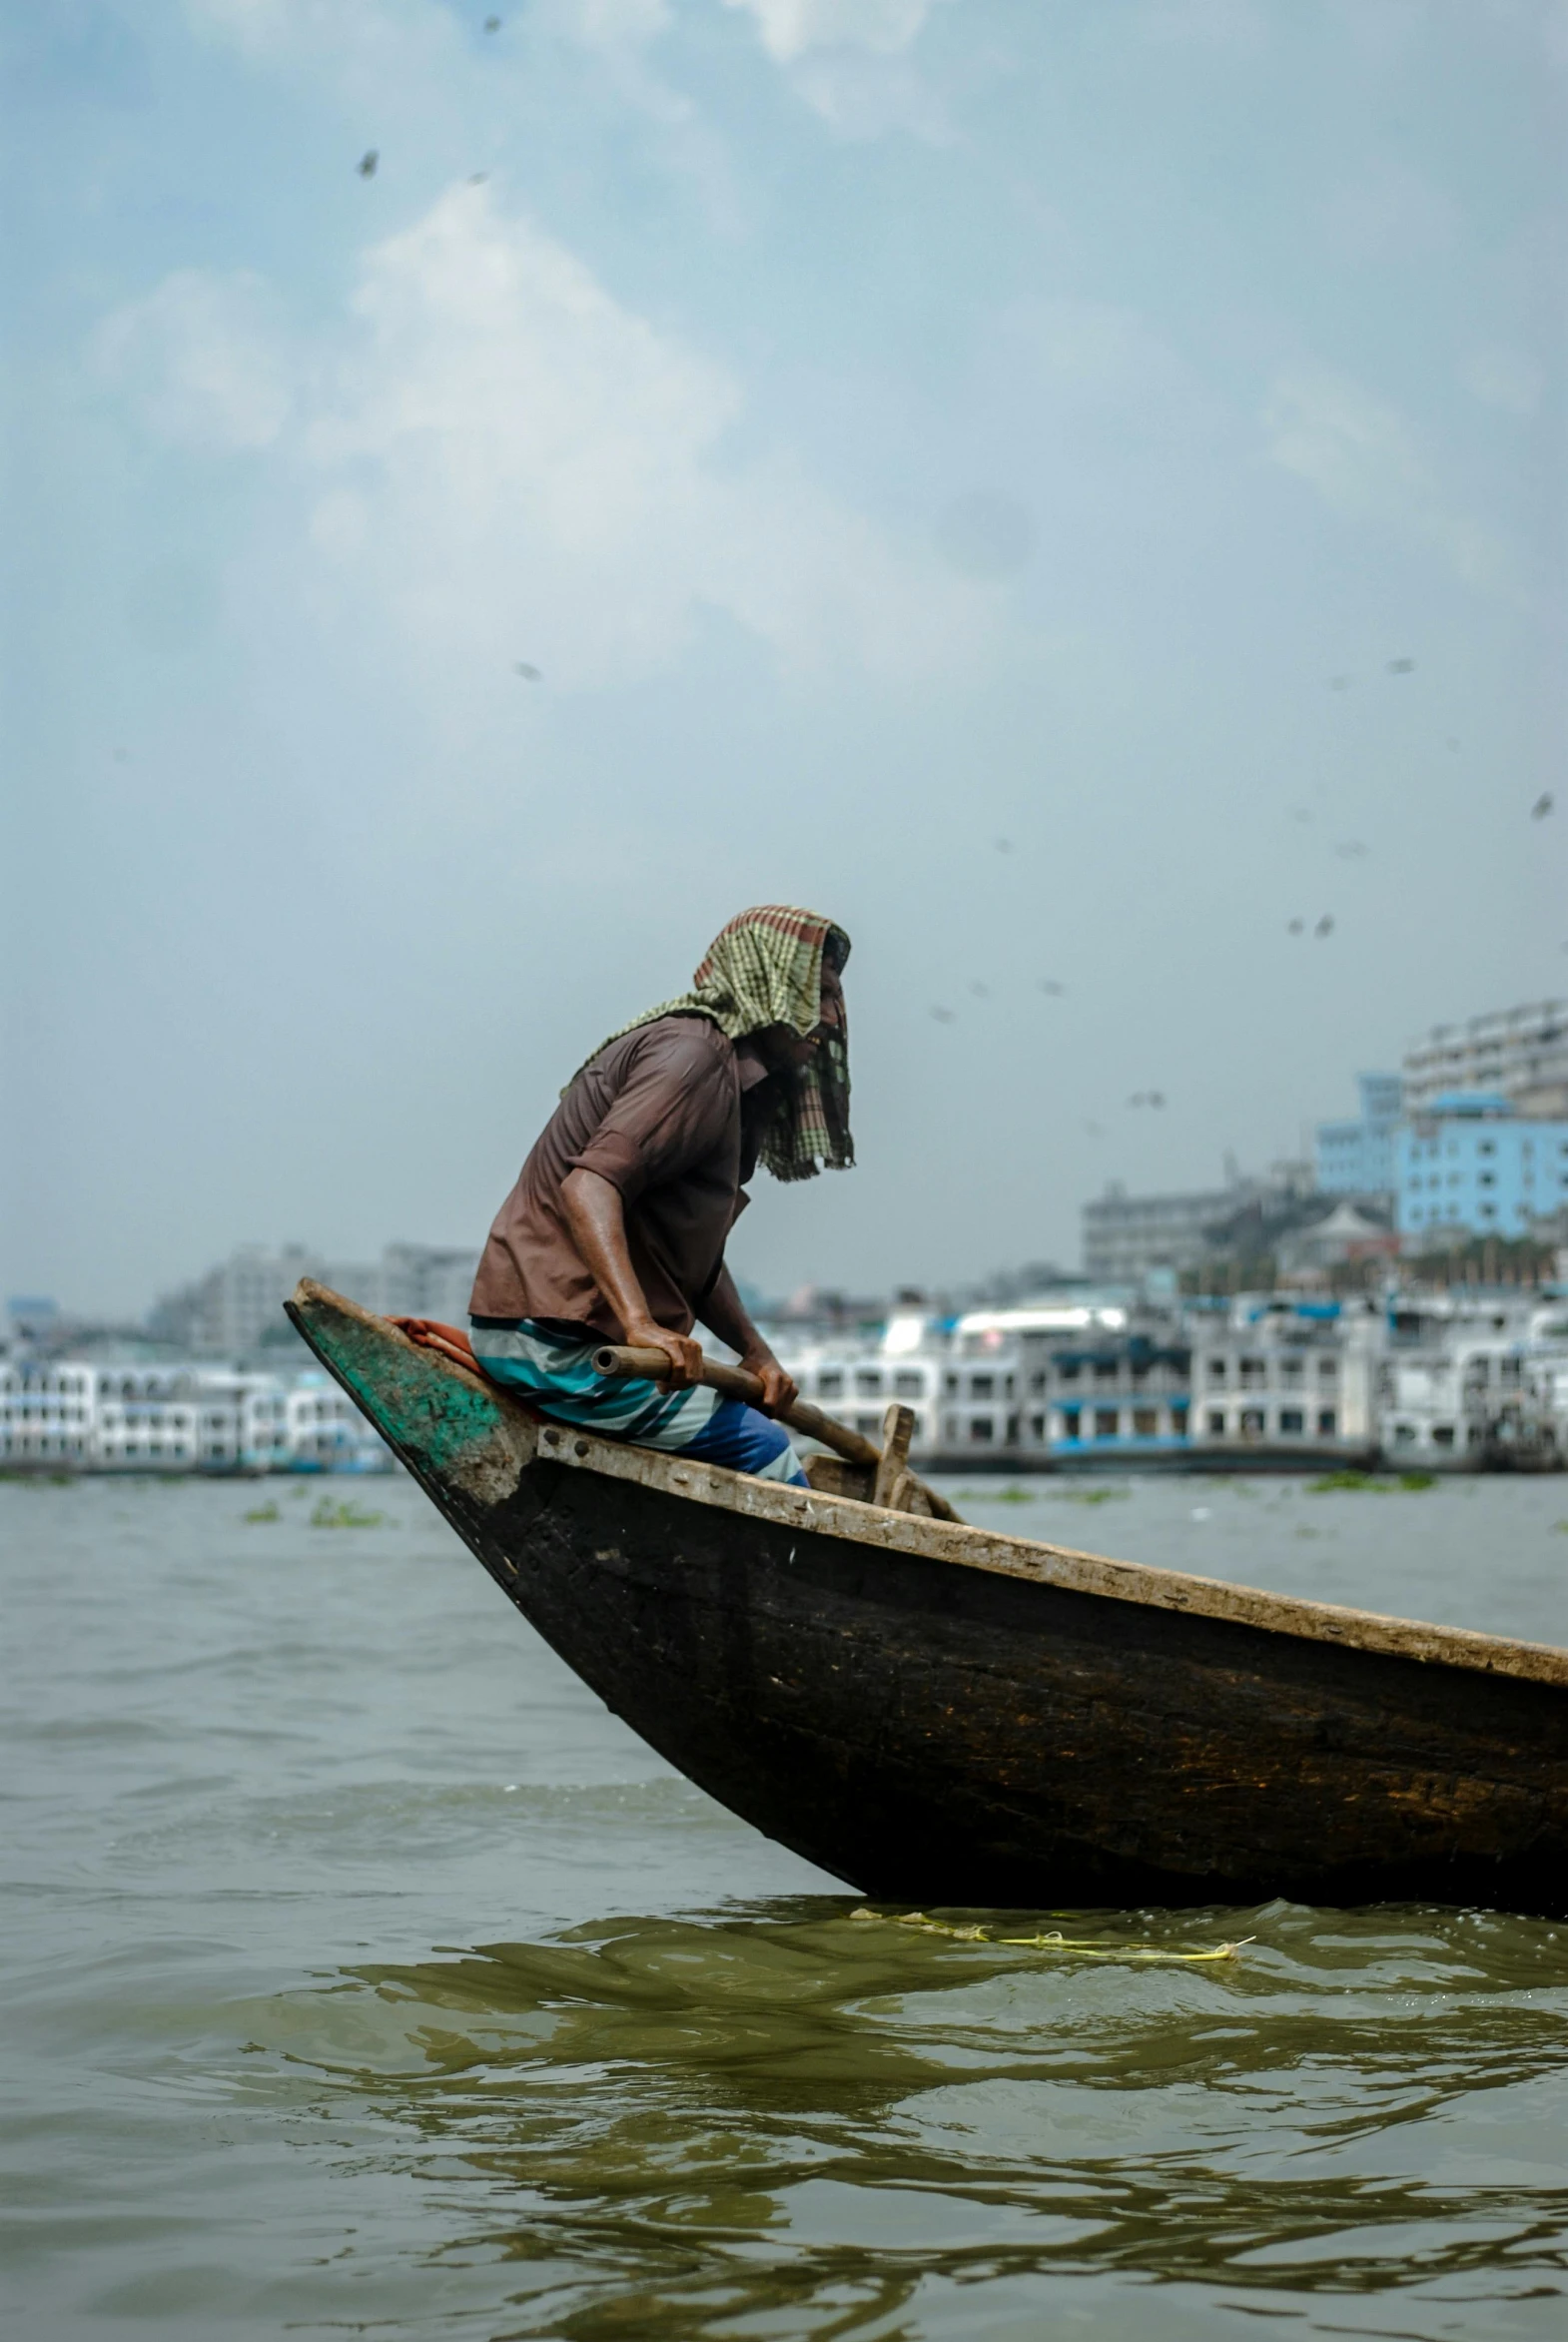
[(363, 1975)]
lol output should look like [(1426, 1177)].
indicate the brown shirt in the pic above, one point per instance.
[(672, 1115)]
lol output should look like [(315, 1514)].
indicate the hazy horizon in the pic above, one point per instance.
[(1068, 492)]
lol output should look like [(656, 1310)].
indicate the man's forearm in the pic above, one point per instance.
[(597, 1220), (724, 1313)]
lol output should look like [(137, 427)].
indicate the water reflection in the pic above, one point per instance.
[(779, 2120)]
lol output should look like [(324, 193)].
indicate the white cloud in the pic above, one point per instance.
[(1506, 379), (1365, 459), (502, 461), (850, 61), (788, 28), (202, 360)]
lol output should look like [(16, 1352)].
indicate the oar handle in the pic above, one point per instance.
[(620, 1359), (735, 1382)]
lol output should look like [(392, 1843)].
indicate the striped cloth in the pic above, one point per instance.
[(765, 969), (556, 1374)]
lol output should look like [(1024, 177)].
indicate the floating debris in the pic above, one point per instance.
[(1051, 1941)]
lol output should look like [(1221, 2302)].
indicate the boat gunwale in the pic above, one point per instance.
[(1141, 1584)]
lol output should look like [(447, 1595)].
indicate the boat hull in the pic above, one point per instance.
[(961, 1737), (997, 1734)]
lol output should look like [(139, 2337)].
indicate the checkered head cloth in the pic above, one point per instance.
[(765, 968)]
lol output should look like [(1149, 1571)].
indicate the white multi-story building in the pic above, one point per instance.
[(1470, 1381), (1437, 1406), (133, 1417), (856, 1383), (242, 1422), (1087, 1377), (1518, 1053), (325, 1431), (980, 1383), (1105, 1385), (46, 1415), (85, 1416), (1285, 1377), (147, 1418)]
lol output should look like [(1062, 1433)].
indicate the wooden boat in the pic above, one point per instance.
[(937, 1713)]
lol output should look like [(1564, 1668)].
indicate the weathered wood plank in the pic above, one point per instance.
[(893, 1476)]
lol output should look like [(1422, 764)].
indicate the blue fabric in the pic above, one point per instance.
[(555, 1372), (745, 1440)]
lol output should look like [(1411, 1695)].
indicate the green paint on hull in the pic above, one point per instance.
[(430, 1414)]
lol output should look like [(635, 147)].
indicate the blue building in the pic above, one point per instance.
[(1357, 1159), (1472, 1163)]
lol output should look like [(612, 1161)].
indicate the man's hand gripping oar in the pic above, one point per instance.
[(736, 1382)]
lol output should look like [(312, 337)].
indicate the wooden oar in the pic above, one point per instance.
[(893, 1478)]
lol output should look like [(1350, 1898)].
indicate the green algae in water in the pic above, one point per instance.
[(345, 1514), (1370, 1483)]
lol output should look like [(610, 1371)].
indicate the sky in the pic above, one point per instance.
[(1066, 487)]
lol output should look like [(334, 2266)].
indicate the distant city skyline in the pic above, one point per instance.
[(1074, 493)]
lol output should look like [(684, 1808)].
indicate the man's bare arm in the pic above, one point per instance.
[(724, 1313), (596, 1218)]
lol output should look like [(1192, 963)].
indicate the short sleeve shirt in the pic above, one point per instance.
[(671, 1114)]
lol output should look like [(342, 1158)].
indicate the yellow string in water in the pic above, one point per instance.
[(1054, 1942)]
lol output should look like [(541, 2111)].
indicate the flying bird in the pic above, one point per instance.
[(1004, 844), (1094, 1130), (1056, 990), (943, 1016), (1351, 850), (1147, 1098), (478, 178), (529, 675), (1339, 683), (367, 163), (1325, 925), (982, 992), (1296, 927), (492, 24), (1542, 806), (1402, 667)]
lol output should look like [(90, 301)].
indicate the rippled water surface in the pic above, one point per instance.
[(364, 1975)]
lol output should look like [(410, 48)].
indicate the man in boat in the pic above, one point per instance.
[(616, 1227)]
